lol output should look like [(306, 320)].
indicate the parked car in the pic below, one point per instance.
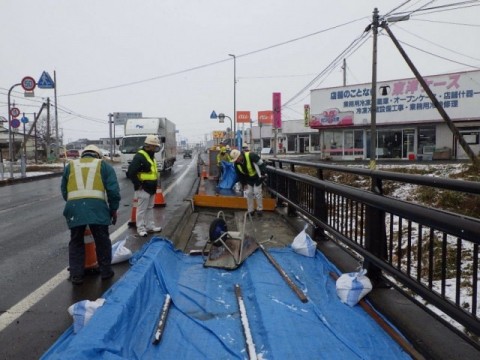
[(187, 154), (70, 154)]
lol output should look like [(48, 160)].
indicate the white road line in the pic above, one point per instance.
[(17, 310)]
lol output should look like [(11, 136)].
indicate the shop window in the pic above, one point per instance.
[(315, 142), (426, 139)]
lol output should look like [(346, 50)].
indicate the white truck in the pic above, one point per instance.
[(136, 130)]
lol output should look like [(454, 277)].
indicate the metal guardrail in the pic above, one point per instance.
[(426, 250)]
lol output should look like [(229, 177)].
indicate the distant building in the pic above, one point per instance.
[(407, 123)]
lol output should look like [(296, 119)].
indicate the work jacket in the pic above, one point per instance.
[(91, 191), (143, 173), (246, 170)]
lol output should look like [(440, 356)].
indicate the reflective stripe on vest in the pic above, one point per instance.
[(85, 179), (250, 169), (153, 174)]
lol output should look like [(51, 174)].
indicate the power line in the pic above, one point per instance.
[(210, 64)]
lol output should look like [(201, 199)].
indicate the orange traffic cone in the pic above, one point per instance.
[(90, 251), (133, 216), (159, 199)]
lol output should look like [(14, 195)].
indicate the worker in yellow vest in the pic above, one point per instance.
[(143, 173), (251, 171), (92, 194)]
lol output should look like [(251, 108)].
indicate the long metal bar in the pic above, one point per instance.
[(283, 274), (252, 354), (163, 320)]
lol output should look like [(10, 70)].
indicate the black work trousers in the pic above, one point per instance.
[(76, 249)]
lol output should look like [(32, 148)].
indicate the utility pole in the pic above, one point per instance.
[(48, 129), (56, 113), (344, 68), (234, 98), (110, 122), (373, 111)]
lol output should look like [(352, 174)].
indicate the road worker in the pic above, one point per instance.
[(250, 169), (143, 173), (92, 194)]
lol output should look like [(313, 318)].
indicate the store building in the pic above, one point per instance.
[(408, 126)]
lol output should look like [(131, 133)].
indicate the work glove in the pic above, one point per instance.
[(113, 214)]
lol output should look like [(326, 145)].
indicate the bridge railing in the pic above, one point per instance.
[(422, 251)]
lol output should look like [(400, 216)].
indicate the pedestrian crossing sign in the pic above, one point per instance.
[(45, 81)]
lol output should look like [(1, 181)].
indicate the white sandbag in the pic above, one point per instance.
[(83, 311), (120, 253), (303, 244), (352, 287)]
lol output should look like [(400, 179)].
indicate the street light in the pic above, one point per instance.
[(222, 117), (234, 96)]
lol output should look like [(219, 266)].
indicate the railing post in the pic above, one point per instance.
[(292, 193), (375, 233), (320, 210)]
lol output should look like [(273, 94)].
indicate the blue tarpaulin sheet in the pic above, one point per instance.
[(204, 319)]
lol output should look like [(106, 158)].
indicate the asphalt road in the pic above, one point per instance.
[(35, 293)]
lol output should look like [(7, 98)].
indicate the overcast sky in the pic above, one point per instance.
[(169, 58)]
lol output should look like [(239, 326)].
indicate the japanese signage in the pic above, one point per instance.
[(120, 118), (218, 134), (265, 117), (243, 117), (398, 101), (306, 115), (277, 110)]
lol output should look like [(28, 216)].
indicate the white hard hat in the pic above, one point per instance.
[(244, 146), (234, 154), (152, 140), (92, 149)]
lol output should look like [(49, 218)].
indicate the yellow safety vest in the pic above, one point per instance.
[(85, 179), (153, 174), (250, 169)]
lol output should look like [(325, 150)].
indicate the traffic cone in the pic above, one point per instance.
[(133, 216), (90, 251), (159, 199), (204, 172)]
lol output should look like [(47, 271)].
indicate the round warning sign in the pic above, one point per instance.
[(28, 83), (15, 123), (14, 112)]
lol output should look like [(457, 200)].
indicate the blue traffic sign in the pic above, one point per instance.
[(15, 123), (45, 81), (213, 115), (24, 119)]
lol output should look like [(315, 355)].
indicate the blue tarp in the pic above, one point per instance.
[(229, 176), (204, 320)]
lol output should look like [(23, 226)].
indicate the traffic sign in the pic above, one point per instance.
[(45, 81), (14, 112), (28, 83), (24, 119), (213, 115), (15, 123)]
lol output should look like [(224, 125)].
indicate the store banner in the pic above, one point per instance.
[(277, 110), (265, 117), (398, 101), (243, 117), (306, 115)]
